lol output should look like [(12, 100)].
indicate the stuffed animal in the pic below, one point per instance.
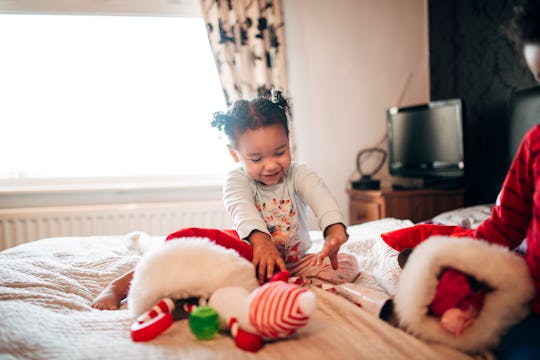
[(275, 310), (191, 270), (184, 268)]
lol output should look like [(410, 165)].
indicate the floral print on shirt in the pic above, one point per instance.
[(280, 219)]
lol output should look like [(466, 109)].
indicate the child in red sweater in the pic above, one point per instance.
[(517, 215)]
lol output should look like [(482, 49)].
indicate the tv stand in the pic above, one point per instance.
[(413, 204), (443, 183), (430, 182), (400, 187)]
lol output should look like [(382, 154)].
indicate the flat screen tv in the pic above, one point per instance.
[(426, 141)]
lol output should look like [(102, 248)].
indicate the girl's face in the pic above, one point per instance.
[(532, 57), (264, 153)]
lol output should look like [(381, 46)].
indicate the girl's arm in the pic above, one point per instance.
[(240, 204), (311, 187)]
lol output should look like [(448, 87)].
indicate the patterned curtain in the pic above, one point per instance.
[(247, 41)]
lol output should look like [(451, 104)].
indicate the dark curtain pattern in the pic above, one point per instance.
[(247, 41), (248, 45)]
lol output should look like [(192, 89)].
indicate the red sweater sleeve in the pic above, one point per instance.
[(510, 219), (518, 215)]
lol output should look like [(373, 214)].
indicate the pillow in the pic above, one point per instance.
[(468, 217), (408, 238)]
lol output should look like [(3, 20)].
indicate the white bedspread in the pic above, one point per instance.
[(47, 286)]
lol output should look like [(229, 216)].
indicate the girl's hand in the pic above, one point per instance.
[(265, 256), (335, 236)]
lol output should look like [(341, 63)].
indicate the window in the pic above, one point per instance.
[(100, 96)]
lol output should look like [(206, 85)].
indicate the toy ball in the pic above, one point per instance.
[(204, 322)]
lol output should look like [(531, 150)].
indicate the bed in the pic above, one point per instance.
[(47, 286)]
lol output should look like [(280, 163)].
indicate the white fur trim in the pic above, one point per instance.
[(187, 267), (503, 270)]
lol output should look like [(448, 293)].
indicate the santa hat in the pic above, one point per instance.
[(184, 268), (505, 272)]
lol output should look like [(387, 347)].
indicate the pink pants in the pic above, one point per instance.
[(348, 269)]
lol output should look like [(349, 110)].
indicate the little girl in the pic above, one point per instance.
[(267, 198)]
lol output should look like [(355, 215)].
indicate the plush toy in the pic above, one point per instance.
[(185, 268), (191, 270), (275, 310), (204, 324)]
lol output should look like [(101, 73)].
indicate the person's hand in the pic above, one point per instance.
[(265, 256), (335, 236)]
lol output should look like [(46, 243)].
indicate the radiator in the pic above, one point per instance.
[(18, 226)]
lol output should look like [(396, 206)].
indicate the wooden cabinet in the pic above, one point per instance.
[(415, 205)]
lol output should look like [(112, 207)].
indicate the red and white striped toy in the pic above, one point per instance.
[(274, 310), (277, 309)]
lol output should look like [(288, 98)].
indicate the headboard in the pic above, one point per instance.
[(523, 114)]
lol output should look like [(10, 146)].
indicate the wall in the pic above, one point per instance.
[(349, 61), (472, 59)]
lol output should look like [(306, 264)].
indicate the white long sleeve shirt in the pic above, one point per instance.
[(281, 210)]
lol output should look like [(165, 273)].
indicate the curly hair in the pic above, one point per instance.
[(252, 114), (525, 24)]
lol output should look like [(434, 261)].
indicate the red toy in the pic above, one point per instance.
[(252, 313), (273, 311), (157, 320)]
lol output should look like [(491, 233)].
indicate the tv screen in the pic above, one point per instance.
[(426, 141)]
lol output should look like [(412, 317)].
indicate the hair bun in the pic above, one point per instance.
[(279, 99), (219, 120)]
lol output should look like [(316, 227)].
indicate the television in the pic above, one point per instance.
[(426, 141)]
